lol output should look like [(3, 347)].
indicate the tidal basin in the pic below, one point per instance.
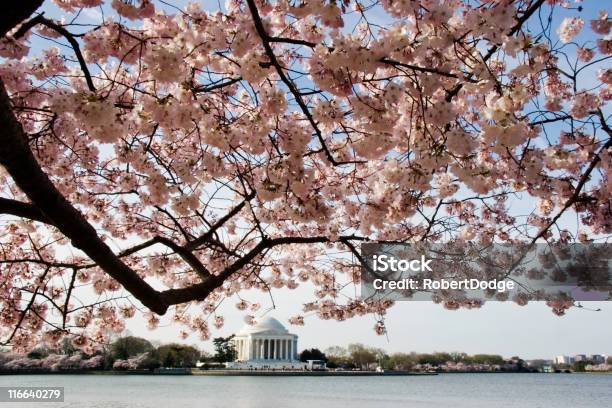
[(444, 390)]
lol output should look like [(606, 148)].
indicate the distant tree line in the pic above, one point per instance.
[(125, 353), (405, 361), (359, 356), (136, 353)]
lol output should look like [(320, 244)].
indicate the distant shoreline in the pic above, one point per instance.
[(229, 373), (240, 373), (265, 373)]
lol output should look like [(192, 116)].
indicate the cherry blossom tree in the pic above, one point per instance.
[(164, 159)]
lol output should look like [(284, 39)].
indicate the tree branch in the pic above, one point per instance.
[(296, 94), (186, 255), (39, 19), (25, 311), (191, 245), (20, 163), (22, 210), (576, 195), (17, 158), (528, 13), (200, 291), (75, 46), (209, 88), (14, 12)]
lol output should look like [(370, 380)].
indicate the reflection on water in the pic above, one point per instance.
[(446, 390)]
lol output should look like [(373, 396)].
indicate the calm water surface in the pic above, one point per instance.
[(446, 390)]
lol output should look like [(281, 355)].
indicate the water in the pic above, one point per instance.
[(445, 390)]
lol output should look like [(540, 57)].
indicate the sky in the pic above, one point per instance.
[(504, 328), (531, 331)]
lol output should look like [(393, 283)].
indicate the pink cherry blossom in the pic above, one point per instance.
[(569, 28)]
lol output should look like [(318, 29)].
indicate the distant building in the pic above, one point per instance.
[(267, 345), (538, 364), (580, 357), (597, 358), (316, 365), (563, 360), (591, 358)]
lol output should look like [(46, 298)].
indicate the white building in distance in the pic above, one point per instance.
[(593, 358), (565, 360), (580, 357), (266, 345)]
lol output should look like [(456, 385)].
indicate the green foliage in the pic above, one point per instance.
[(579, 366), (312, 354), (126, 347), (151, 361), (361, 355), (337, 357), (458, 357), (66, 347), (401, 361), (38, 353), (176, 355), (434, 358), (225, 350), (485, 359), (206, 357)]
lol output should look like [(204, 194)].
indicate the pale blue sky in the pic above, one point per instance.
[(505, 328)]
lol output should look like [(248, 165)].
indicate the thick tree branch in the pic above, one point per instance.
[(17, 158), (200, 291), (14, 12), (183, 252), (22, 210), (186, 255), (68, 295)]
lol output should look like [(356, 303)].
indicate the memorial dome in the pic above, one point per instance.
[(266, 344), (267, 325)]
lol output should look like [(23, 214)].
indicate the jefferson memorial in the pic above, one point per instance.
[(266, 345)]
